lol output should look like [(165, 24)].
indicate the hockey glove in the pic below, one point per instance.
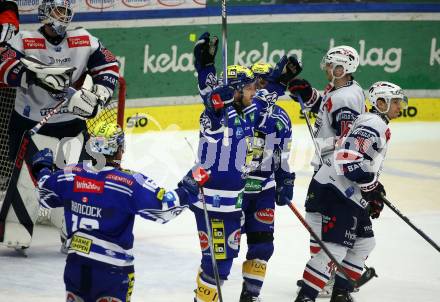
[(285, 70), (375, 200), (193, 180), (7, 31), (51, 78), (205, 50), (303, 88), (284, 187), (220, 97), (41, 160), (87, 101)]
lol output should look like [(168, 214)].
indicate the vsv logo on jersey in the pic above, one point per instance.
[(87, 185), (34, 43), (79, 41)]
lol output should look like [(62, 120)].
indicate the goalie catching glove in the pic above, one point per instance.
[(87, 101), (7, 31), (52, 78)]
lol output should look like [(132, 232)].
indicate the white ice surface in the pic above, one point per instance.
[(167, 256)]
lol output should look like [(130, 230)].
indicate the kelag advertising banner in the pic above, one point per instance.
[(158, 61)]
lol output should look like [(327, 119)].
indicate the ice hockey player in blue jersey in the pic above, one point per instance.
[(100, 205), (345, 193), (269, 181), (343, 100), (225, 149)]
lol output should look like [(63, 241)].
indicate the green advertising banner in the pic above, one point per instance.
[(158, 61)]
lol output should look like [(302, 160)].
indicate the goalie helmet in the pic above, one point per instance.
[(56, 13), (262, 70), (386, 91), (239, 76), (344, 56), (106, 138)]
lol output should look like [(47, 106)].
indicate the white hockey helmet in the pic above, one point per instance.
[(106, 138), (56, 13), (386, 91), (344, 56)]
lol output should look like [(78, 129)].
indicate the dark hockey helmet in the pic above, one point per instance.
[(56, 13)]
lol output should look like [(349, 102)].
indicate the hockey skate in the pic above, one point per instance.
[(246, 296), (340, 295), (326, 292), (302, 298)]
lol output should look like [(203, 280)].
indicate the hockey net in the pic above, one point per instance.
[(113, 112)]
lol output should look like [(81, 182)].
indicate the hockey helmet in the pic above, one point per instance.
[(239, 76), (344, 56), (56, 13), (106, 138), (386, 91), (262, 70)]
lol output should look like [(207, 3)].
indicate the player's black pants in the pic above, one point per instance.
[(18, 125)]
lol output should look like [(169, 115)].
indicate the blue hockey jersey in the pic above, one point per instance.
[(228, 158), (270, 149), (100, 208)]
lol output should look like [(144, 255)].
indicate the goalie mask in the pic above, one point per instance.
[(106, 138), (57, 14), (386, 91), (345, 56)]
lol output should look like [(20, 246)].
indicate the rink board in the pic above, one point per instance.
[(186, 117)]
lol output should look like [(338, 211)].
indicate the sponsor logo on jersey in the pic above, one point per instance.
[(120, 179), (108, 55), (136, 3), (204, 243), (34, 43), (85, 199), (79, 41), (328, 223), (388, 134), (53, 60), (80, 244), (87, 185), (100, 4), (234, 239), (266, 216)]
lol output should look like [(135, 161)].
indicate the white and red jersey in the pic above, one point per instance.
[(78, 49), (358, 158), (338, 109)]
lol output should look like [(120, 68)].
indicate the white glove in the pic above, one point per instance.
[(84, 103), (7, 31), (104, 94), (50, 77)]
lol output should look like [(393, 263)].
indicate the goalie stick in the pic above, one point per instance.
[(13, 197)]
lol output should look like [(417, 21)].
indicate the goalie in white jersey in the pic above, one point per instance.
[(345, 193), (27, 62)]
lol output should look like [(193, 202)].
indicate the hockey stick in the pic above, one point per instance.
[(406, 219), (309, 126), (12, 197), (225, 66), (322, 245), (370, 272), (209, 233)]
